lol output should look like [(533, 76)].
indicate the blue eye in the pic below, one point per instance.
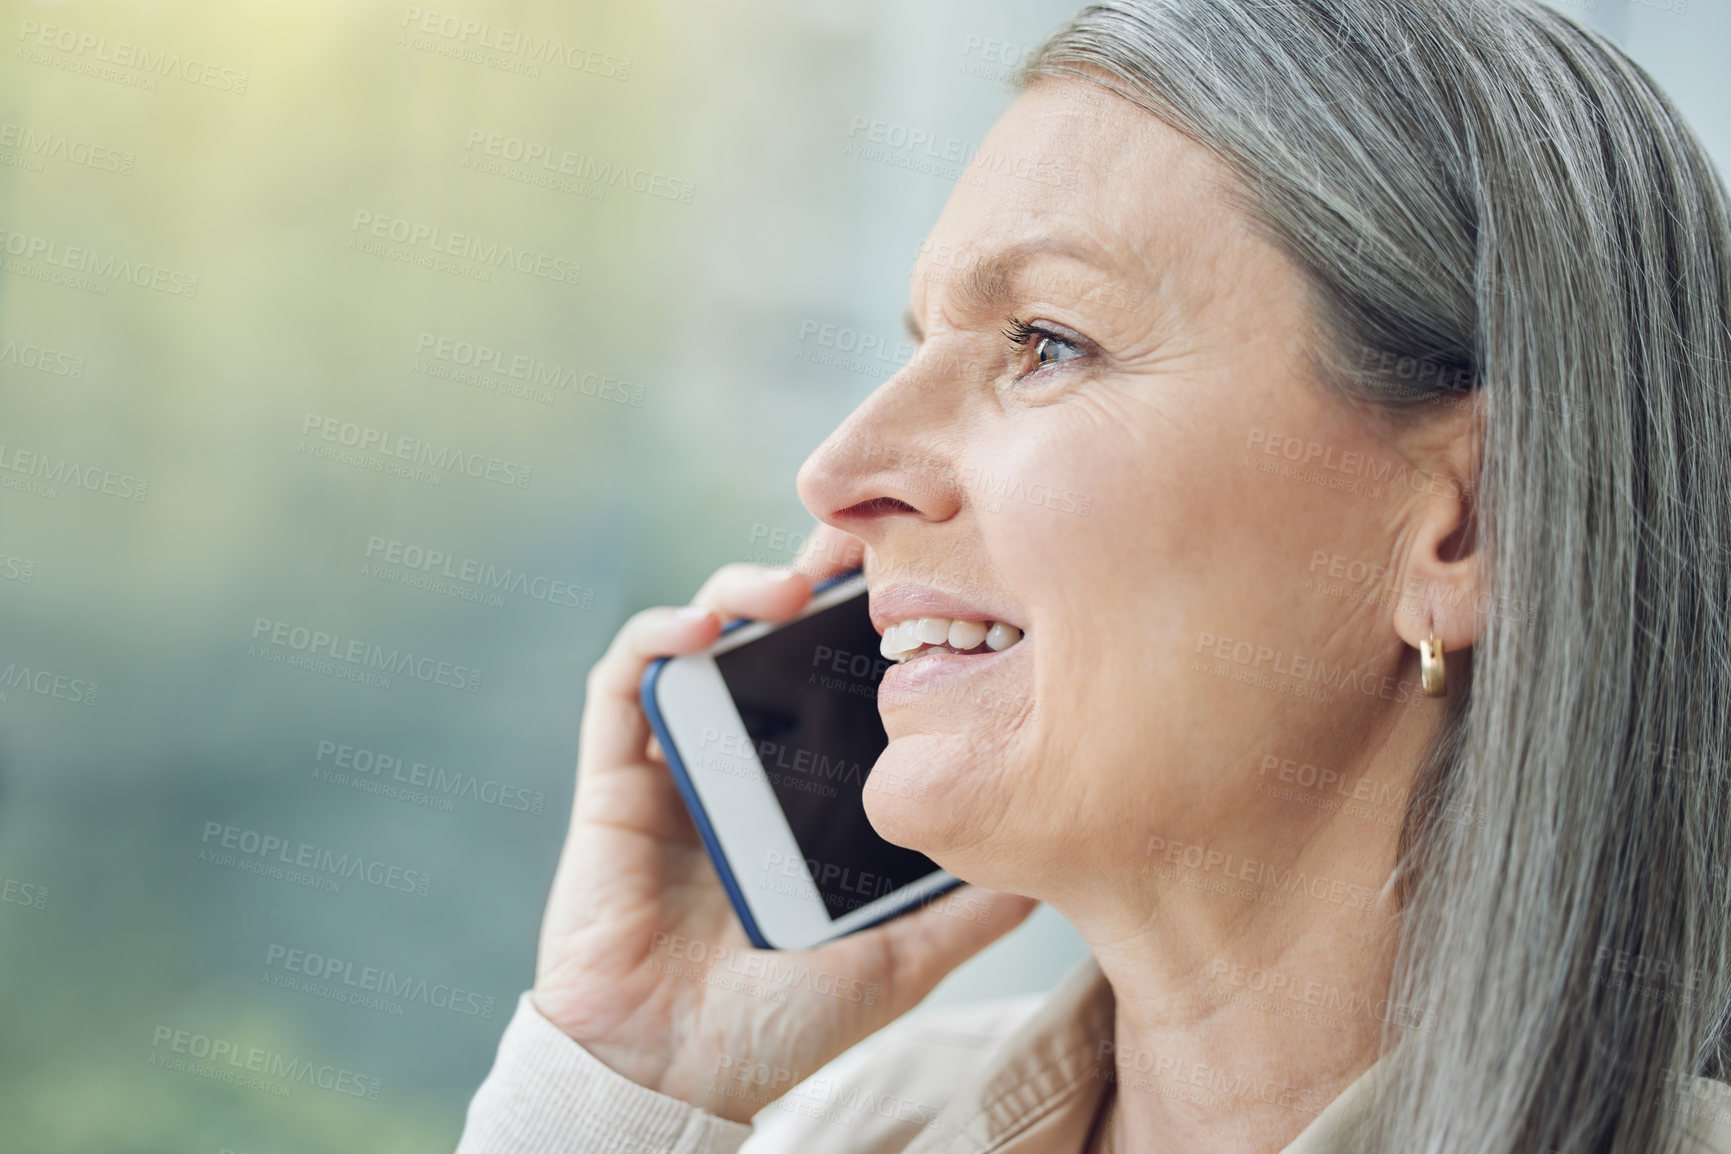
[(1049, 348)]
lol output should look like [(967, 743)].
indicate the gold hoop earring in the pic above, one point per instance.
[(1432, 675)]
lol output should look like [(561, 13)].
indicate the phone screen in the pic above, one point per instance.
[(807, 693)]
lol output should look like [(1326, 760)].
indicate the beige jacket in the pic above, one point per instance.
[(1012, 1077)]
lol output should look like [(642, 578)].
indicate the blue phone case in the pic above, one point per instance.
[(682, 778)]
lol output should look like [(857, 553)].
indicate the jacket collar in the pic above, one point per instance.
[(1041, 1089)]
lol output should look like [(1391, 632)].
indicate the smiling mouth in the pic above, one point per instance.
[(919, 636)]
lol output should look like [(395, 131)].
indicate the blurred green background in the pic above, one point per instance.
[(450, 336)]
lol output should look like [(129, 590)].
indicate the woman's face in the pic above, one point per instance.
[(1108, 438)]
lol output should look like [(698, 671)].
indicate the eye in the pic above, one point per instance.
[(1047, 346)]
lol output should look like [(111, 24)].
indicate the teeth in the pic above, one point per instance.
[(899, 639), (966, 634), (907, 639)]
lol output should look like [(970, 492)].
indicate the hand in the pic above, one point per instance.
[(634, 883)]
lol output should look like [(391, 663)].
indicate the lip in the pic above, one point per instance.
[(902, 600), (966, 681)]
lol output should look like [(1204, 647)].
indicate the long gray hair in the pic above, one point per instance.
[(1486, 198)]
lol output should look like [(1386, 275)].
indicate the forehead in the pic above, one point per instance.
[(1074, 178)]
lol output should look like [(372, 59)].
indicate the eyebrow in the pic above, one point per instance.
[(988, 285)]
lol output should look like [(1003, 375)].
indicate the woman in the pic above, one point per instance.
[(1369, 720)]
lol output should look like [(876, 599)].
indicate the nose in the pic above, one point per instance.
[(889, 463)]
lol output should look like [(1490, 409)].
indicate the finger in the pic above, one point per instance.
[(758, 592), (614, 730), (829, 551), (920, 949)]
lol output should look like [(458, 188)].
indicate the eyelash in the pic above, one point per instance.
[(1021, 334)]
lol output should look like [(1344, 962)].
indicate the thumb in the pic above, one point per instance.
[(918, 950), (829, 551)]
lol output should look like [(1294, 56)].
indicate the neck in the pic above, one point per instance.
[(1245, 1008)]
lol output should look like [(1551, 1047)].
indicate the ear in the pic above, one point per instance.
[(1440, 595)]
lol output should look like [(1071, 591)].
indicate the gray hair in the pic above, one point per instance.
[(1499, 198)]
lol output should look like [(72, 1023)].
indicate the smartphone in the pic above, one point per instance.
[(770, 734)]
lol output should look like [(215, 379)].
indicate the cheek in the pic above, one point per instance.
[(1090, 532), (1085, 504), (1081, 531), (1132, 535)]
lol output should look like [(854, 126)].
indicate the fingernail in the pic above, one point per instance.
[(691, 613), (779, 573)]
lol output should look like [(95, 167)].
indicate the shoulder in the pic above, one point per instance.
[(880, 1095), (1706, 1110)]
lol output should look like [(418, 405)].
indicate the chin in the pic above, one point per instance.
[(931, 792)]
